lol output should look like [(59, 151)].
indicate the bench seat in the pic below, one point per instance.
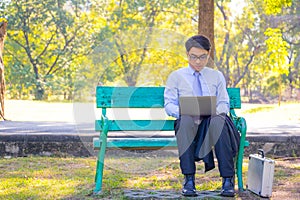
[(137, 143)]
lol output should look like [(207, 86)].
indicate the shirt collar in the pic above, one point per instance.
[(192, 71)]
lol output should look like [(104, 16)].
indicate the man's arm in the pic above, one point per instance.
[(171, 96), (222, 96)]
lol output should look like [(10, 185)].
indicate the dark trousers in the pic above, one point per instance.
[(217, 135)]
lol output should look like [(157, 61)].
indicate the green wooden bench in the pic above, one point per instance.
[(148, 97)]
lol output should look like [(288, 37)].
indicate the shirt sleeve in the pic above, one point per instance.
[(171, 96), (222, 96)]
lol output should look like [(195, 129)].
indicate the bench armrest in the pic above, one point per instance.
[(104, 124)]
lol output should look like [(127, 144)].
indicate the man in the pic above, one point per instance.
[(199, 80)]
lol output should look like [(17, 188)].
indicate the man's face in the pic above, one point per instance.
[(198, 58)]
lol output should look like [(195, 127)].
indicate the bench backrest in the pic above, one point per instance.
[(144, 97), (141, 97)]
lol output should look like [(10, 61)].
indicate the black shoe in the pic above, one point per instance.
[(228, 187), (189, 186)]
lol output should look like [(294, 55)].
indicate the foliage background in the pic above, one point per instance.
[(61, 49)]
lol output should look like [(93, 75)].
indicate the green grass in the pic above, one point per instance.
[(44, 177), (73, 178), (258, 109)]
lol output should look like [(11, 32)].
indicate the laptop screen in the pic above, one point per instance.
[(197, 105)]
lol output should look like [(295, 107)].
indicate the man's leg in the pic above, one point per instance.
[(224, 154), (186, 130), (223, 148)]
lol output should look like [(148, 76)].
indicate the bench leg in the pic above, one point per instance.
[(100, 164), (239, 164)]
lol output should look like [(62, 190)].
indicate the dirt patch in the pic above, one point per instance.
[(287, 179)]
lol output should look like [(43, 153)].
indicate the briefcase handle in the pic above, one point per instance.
[(261, 152)]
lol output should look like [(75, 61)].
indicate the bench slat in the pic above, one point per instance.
[(130, 97), (135, 143), (144, 97), (137, 125)]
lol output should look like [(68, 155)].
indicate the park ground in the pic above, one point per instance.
[(68, 177), (73, 177)]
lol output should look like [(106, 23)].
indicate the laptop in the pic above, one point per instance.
[(197, 105)]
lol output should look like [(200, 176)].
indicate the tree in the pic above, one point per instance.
[(50, 36), (3, 25), (289, 24), (147, 15), (132, 33), (277, 48), (243, 51), (206, 21), (277, 54), (272, 7), (237, 43), (56, 47)]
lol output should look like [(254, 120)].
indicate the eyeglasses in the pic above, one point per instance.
[(201, 58)]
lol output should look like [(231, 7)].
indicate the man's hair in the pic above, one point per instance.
[(198, 41)]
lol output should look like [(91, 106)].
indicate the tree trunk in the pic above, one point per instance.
[(39, 91), (3, 25), (39, 86), (206, 22)]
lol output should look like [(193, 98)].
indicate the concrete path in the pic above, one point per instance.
[(39, 127), (33, 117)]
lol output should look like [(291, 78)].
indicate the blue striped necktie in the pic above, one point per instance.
[(197, 85)]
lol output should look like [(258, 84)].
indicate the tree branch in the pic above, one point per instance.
[(246, 68), (46, 47)]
